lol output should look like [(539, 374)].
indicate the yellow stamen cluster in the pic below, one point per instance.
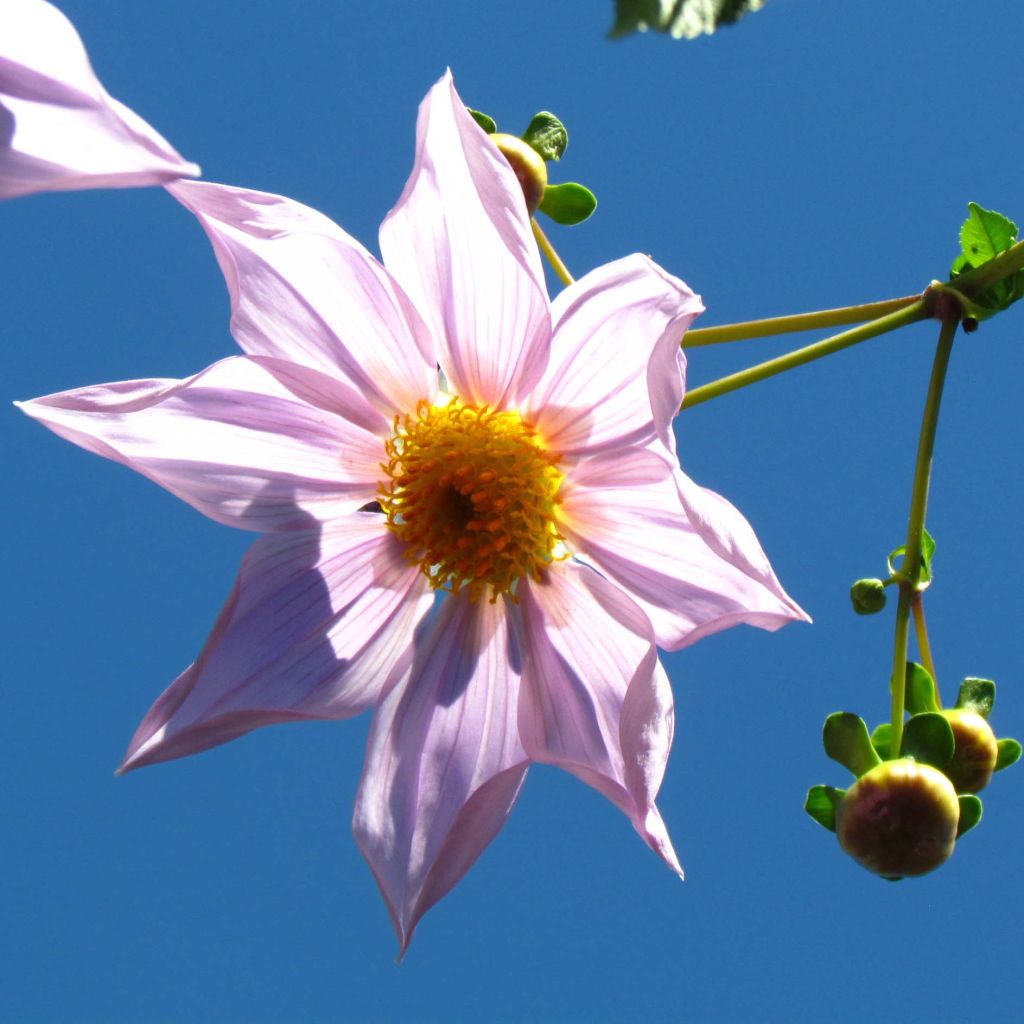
[(472, 493)]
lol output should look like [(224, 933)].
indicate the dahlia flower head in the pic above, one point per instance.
[(474, 521), (59, 128)]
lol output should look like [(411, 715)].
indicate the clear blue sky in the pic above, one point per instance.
[(816, 155)]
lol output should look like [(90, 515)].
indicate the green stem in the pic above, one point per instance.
[(797, 322), (919, 309), (975, 281), (910, 568), (549, 251), (921, 632)]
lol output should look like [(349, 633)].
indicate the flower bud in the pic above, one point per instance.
[(898, 819), (868, 596), (528, 165), (975, 751)]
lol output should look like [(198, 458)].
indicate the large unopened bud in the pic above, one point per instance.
[(975, 751), (899, 819), (528, 165)]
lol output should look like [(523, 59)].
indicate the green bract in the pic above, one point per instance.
[(568, 203), (547, 135)]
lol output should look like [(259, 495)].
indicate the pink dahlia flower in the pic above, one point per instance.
[(475, 523), (59, 129)]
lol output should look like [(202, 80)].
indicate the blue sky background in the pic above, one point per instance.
[(818, 154)]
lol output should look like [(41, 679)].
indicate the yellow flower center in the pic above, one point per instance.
[(472, 494)]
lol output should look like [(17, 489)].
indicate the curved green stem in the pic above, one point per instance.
[(549, 252), (919, 309), (798, 322), (975, 281), (921, 632), (910, 568)]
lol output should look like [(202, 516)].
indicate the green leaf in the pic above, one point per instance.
[(970, 813), (984, 235), (927, 553), (547, 135), (920, 690), (977, 695), (847, 741), (928, 738), (881, 740), (568, 203), (488, 124), (679, 18), (821, 804), (1008, 753)]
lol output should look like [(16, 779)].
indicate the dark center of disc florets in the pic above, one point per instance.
[(472, 493)]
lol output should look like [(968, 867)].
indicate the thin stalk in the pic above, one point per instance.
[(797, 322), (917, 310), (915, 529), (921, 632), (549, 252), (977, 280)]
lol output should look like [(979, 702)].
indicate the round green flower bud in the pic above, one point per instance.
[(528, 165), (899, 819), (974, 757), (868, 596)]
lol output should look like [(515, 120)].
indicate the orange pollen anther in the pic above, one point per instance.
[(472, 493)]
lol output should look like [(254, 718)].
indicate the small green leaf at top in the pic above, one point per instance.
[(568, 203), (970, 813), (488, 124), (547, 135), (821, 804), (920, 690), (977, 695), (983, 236), (681, 19), (847, 741), (928, 739), (1009, 752), (881, 740)]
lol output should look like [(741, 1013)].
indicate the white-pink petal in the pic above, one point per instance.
[(231, 441), (444, 764), (304, 291), (459, 241), (313, 627), (616, 368), (594, 698), (59, 129), (641, 537)]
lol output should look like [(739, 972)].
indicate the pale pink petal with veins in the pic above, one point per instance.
[(59, 128)]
